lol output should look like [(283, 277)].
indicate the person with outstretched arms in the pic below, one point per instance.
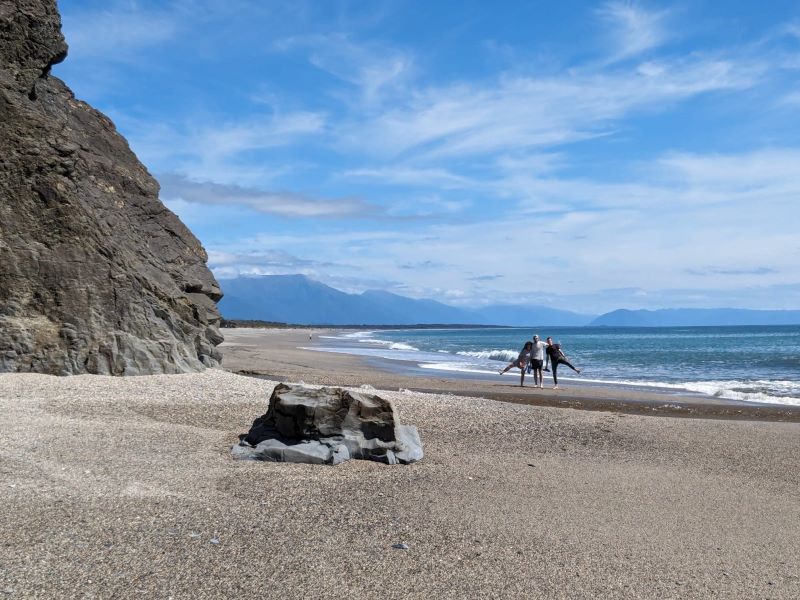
[(556, 357), (522, 362)]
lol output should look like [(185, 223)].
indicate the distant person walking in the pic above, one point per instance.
[(522, 362), (556, 357), (537, 361)]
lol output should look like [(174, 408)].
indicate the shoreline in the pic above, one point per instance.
[(280, 354)]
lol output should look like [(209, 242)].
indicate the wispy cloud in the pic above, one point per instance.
[(257, 133), (633, 29), (426, 264), (227, 264), (117, 32), (520, 113), (792, 99), (222, 150), (702, 272), (727, 178), (485, 278), (412, 176), (370, 67), (673, 181), (583, 251), (284, 204)]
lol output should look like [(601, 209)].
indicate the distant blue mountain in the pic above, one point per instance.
[(684, 317), (298, 299), (519, 315), (293, 299), (417, 311)]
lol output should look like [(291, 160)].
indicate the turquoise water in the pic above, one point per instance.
[(753, 364)]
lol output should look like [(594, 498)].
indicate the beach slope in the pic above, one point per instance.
[(125, 488)]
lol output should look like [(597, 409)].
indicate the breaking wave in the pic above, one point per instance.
[(504, 355)]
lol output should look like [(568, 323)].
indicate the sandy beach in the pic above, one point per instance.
[(280, 355), (125, 488)]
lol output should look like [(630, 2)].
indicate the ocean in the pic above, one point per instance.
[(747, 364)]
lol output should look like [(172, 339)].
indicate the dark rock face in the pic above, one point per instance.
[(96, 274), (328, 426)]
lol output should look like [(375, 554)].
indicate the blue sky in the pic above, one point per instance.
[(585, 155)]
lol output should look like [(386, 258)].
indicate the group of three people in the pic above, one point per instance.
[(536, 356)]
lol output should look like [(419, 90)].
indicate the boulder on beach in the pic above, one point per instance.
[(96, 274), (328, 426)]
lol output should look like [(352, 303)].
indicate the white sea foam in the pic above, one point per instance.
[(375, 352), (357, 334), (389, 344), (402, 346), (365, 337), (506, 355), (760, 391), (457, 367), (771, 392)]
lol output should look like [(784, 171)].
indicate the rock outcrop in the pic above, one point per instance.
[(96, 274), (328, 426)]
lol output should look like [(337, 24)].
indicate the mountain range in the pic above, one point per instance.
[(687, 317), (298, 299), (303, 301)]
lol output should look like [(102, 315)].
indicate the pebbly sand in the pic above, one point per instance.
[(124, 488)]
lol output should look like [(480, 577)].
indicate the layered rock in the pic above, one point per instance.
[(328, 426), (96, 274)]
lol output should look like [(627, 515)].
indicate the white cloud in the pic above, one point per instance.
[(221, 150), (792, 100), (256, 133), (268, 261), (633, 29), (284, 204), (519, 113), (412, 176), (116, 33), (763, 171), (426, 206), (674, 180), (732, 218), (371, 67), (217, 152)]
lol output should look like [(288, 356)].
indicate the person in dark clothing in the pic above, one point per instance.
[(556, 357), (522, 362)]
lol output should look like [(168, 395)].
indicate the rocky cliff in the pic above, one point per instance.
[(96, 274)]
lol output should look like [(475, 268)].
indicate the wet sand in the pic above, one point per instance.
[(278, 354), (125, 488)]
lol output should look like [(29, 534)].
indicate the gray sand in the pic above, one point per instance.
[(124, 488)]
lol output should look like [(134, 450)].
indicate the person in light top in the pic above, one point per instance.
[(537, 361)]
